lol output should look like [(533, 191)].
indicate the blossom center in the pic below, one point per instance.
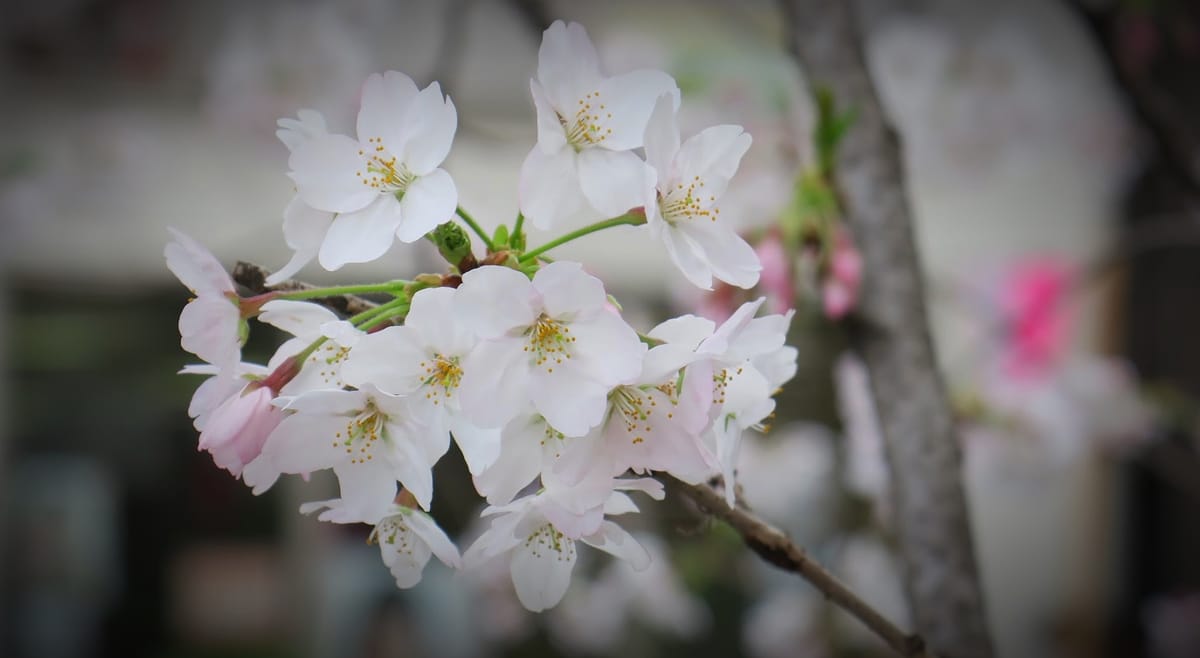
[(635, 407), (687, 202), (382, 171), (361, 434), (548, 342), (394, 533), (442, 375), (586, 128), (548, 538)]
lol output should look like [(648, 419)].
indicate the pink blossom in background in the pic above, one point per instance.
[(775, 279), (239, 427), (839, 291), (1031, 301)]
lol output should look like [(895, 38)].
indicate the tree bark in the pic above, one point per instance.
[(892, 335)]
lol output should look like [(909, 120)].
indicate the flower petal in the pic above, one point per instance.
[(304, 229), (495, 383), (630, 98), (361, 236), (367, 489), (612, 181), (713, 155), (551, 136), (430, 200), (494, 300), (567, 291), (303, 319), (480, 447), (208, 328), (568, 66), (614, 540), (303, 444), (434, 537), (541, 568), (732, 260), (570, 402), (662, 138), (195, 266), (430, 126), (324, 171), (548, 189), (386, 100), (403, 551)]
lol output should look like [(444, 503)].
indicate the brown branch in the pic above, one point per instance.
[(891, 334), (773, 546), (769, 543)]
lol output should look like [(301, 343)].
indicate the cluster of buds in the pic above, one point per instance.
[(559, 407)]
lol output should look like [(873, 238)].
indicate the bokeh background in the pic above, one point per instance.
[(1050, 151)]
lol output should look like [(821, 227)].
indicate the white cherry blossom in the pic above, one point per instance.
[(367, 437), (550, 342), (407, 538), (308, 322), (424, 360), (541, 555), (304, 227), (385, 183), (583, 166), (682, 203), (210, 325)]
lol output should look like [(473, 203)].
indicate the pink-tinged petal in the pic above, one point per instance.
[(304, 444), (367, 489), (732, 260), (328, 402), (548, 188), (648, 486), (612, 181), (260, 475), (568, 67), (410, 464), (386, 100), (713, 155), (294, 132), (430, 200), (208, 328), (607, 349), (614, 540), (297, 318), (686, 330), (434, 537), (480, 447), (304, 229), (517, 464), (361, 236), (567, 291), (551, 136), (430, 126), (494, 300), (495, 384), (630, 98), (662, 138), (324, 170), (499, 538), (575, 524), (683, 251), (402, 550), (541, 568), (570, 402), (195, 266)]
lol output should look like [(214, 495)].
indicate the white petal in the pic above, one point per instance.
[(614, 540), (548, 188), (495, 383), (607, 349), (567, 64), (434, 537), (480, 447), (662, 138), (324, 172), (208, 328), (494, 300), (361, 236), (567, 291), (304, 229), (612, 181), (430, 200), (541, 569), (389, 359), (630, 98), (260, 474), (328, 402), (429, 125), (195, 266), (686, 330), (303, 444), (433, 315), (402, 550), (571, 403), (367, 489), (684, 252), (551, 136), (499, 538), (294, 132), (732, 260), (410, 465), (386, 100), (303, 319), (713, 155), (517, 464)]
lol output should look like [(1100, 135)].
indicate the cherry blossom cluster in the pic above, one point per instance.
[(560, 408)]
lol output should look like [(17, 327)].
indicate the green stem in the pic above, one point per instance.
[(518, 225), (368, 318), (626, 219), (391, 287), (470, 221)]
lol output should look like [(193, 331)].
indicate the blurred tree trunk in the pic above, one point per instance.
[(892, 336)]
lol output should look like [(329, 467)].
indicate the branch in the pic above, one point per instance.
[(768, 542), (892, 336), (773, 546)]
